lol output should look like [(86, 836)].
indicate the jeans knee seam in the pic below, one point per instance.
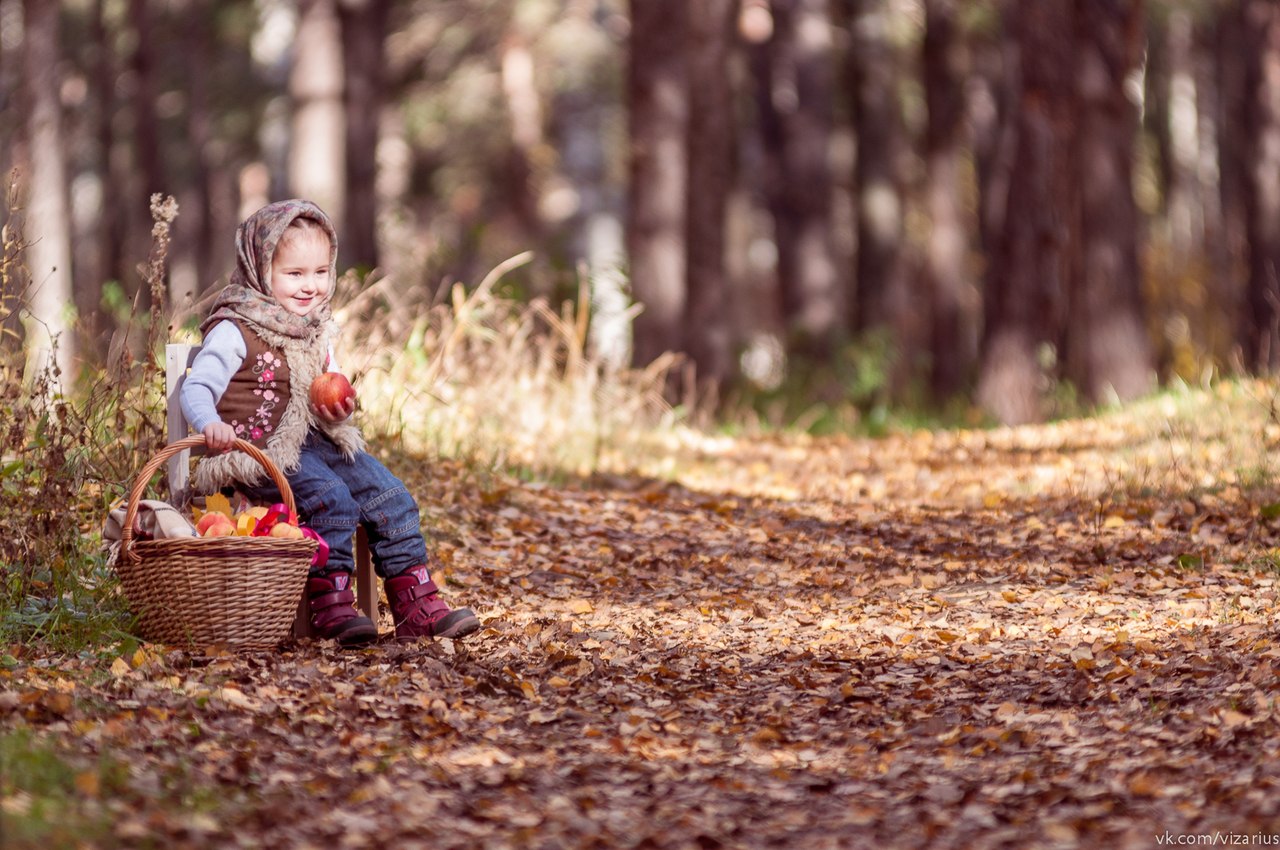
[(384, 496), (402, 530)]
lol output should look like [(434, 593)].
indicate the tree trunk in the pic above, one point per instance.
[(877, 183), (657, 98), (524, 110), (954, 343), (1228, 238), (799, 93), (316, 157), (597, 233), (105, 237), (1024, 302), (364, 33), (150, 155), (1107, 352), (10, 83), (710, 180), (1183, 192), (48, 220), (149, 174), (992, 96), (194, 228), (1261, 141)]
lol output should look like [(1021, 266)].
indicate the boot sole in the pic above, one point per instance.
[(462, 627), (357, 636)]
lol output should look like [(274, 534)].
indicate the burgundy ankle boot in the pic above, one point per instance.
[(333, 612), (420, 612)]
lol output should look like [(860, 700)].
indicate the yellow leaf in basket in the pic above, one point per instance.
[(245, 524), (258, 512), (218, 502)]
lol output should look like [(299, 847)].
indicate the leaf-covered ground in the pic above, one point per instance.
[(1053, 637)]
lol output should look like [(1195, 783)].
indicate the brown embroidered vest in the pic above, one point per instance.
[(258, 393), (259, 405)]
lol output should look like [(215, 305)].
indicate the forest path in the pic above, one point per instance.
[(986, 639)]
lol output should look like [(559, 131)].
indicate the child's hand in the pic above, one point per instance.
[(219, 436), (335, 412)]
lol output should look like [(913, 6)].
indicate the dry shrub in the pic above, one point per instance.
[(496, 382), (69, 445)]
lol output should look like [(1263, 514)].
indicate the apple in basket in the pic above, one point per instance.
[(287, 531), (214, 524), (331, 389)]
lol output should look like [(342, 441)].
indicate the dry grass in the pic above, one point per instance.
[(496, 382)]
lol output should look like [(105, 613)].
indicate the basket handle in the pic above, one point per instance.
[(153, 466)]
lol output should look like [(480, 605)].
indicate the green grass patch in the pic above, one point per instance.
[(53, 799)]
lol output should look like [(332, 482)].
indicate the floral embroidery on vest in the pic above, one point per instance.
[(258, 393), (260, 423)]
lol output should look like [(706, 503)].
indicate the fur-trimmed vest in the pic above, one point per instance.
[(268, 403)]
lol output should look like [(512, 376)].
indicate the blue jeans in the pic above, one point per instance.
[(333, 494)]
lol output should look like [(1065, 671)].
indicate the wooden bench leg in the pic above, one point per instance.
[(366, 579), (302, 620), (366, 588)]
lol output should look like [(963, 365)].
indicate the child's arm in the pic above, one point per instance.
[(223, 352)]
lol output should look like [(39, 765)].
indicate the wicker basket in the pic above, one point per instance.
[(196, 592)]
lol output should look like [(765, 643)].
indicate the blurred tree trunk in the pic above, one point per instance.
[(993, 92), (108, 231), (1157, 78), (524, 110), (710, 180), (194, 228), (1260, 135), (1106, 353), (1024, 299), (657, 100), (877, 183), (1228, 235), (954, 344), (146, 127), (10, 86), (364, 35), (316, 155), (150, 175), (1173, 120), (797, 94), (582, 118), (48, 221)]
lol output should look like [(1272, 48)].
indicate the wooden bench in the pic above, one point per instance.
[(178, 359)]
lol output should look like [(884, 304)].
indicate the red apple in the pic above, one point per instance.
[(331, 389), (220, 526), (209, 520)]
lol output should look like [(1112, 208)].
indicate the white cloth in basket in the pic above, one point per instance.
[(154, 520)]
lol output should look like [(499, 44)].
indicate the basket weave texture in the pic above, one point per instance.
[(199, 591)]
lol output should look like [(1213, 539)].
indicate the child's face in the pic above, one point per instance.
[(300, 272)]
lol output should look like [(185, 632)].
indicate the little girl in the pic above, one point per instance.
[(269, 334)]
